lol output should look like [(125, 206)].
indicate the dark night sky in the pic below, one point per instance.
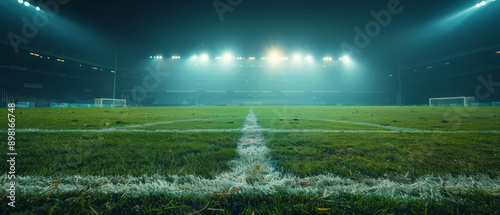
[(418, 34)]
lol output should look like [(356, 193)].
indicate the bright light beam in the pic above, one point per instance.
[(228, 56), (308, 58), (204, 57), (347, 60), (274, 58), (297, 58), (483, 3)]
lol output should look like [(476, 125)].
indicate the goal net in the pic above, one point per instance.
[(452, 101), (252, 103), (104, 102)]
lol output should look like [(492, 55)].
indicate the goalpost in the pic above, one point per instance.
[(452, 101), (105, 102)]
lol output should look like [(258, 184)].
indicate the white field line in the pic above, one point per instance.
[(368, 131), (391, 129), (349, 122), (431, 187), (34, 130), (254, 172), (369, 124)]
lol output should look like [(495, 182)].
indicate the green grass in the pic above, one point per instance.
[(236, 123), (397, 156), (122, 154), (96, 118), (476, 202), (385, 154), (425, 118), (301, 123)]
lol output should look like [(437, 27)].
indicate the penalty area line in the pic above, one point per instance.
[(35, 130)]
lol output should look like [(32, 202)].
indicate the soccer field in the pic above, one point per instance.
[(262, 160)]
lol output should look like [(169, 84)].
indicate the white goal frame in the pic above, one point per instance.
[(105, 102), (462, 101)]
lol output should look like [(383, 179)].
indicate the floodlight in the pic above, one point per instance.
[(274, 58), (20, 1), (482, 3), (228, 56), (308, 58), (27, 4), (204, 57), (195, 57), (161, 57), (297, 58), (347, 60), (37, 8), (150, 56)]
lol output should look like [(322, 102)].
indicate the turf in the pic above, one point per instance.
[(235, 123), (123, 154), (99, 118), (400, 155), (230, 202), (424, 118), (301, 123)]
